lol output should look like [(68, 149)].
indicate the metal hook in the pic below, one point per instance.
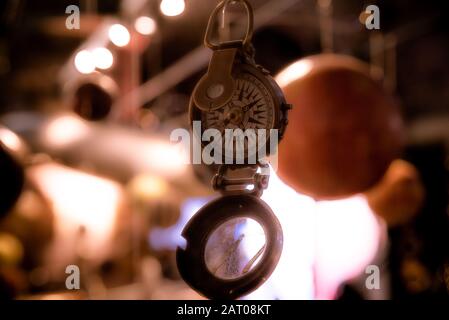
[(232, 43)]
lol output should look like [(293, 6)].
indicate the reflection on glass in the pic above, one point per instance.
[(235, 248)]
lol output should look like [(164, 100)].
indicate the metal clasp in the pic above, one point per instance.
[(231, 43), (235, 186)]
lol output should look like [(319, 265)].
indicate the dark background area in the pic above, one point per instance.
[(30, 54)]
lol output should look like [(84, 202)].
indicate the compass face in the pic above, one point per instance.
[(251, 107)]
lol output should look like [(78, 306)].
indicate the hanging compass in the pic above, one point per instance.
[(256, 104), (236, 93), (251, 106), (246, 109)]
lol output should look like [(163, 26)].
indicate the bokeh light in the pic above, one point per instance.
[(172, 8), (145, 25), (103, 58), (84, 62), (119, 35)]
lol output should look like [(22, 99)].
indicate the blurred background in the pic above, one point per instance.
[(90, 178)]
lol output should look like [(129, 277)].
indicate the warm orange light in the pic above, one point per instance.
[(80, 200), (119, 35), (294, 71), (84, 62), (64, 129), (10, 139), (145, 25), (103, 58), (172, 8)]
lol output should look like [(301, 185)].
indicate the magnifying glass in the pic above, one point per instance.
[(233, 245)]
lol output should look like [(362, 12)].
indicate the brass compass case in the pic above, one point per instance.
[(236, 94), (268, 107)]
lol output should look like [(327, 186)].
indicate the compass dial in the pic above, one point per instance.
[(251, 107)]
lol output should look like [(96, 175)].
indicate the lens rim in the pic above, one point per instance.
[(191, 259)]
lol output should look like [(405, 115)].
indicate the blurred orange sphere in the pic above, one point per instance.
[(399, 196), (343, 131)]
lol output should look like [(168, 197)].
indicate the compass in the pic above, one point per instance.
[(239, 105), (257, 107)]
